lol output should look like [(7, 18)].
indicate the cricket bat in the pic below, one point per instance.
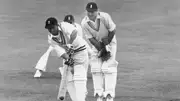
[(63, 84), (42, 62)]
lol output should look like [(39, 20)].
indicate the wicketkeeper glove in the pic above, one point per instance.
[(105, 40), (104, 54)]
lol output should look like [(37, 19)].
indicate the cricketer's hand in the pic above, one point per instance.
[(104, 54), (69, 62)]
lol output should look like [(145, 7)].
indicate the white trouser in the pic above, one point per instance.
[(42, 62), (77, 82), (104, 83), (76, 87), (104, 74)]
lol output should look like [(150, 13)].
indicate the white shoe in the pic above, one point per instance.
[(38, 74), (109, 99)]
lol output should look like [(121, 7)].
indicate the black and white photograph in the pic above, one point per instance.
[(89, 50)]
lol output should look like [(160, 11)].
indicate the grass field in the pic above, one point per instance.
[(148, 48)]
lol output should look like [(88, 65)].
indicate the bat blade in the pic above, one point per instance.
[(63, 85)]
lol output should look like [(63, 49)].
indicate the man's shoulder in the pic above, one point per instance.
[(104, 14), (66, 25), (77, 24)]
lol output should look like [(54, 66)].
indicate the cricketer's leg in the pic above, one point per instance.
[(110, 76), (71, 90), (97, 76), (110, 79), (110, 85), (80, 86), (70, 86), (87, 67), (42, 62), (77, 82), (98, 83), (80, 79)]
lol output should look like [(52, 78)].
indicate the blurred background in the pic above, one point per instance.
[(148, 46)]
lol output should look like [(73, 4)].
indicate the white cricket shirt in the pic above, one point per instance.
[(106, 24)]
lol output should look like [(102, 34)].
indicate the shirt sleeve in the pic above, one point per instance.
[(87, 33), (79, 28), (59, 50), (109, 22), (49, 38)]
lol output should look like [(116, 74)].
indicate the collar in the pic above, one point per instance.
[(59, 27), (56, 36), (98, 17)]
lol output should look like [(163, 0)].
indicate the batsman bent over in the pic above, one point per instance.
[(63, 35), (99, 30), (42, 62)]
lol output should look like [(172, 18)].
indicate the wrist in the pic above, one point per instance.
[(102, 45), (105, 41)]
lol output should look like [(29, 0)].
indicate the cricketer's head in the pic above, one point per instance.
[(92, 10), (51, 25)]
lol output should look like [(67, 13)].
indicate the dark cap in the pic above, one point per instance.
[(50, 22), (69, 18), (91, 7)]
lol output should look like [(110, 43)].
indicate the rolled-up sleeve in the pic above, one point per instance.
[(110, 24)]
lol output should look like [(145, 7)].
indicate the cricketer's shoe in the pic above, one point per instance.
[(38, 74), (109, 98)]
